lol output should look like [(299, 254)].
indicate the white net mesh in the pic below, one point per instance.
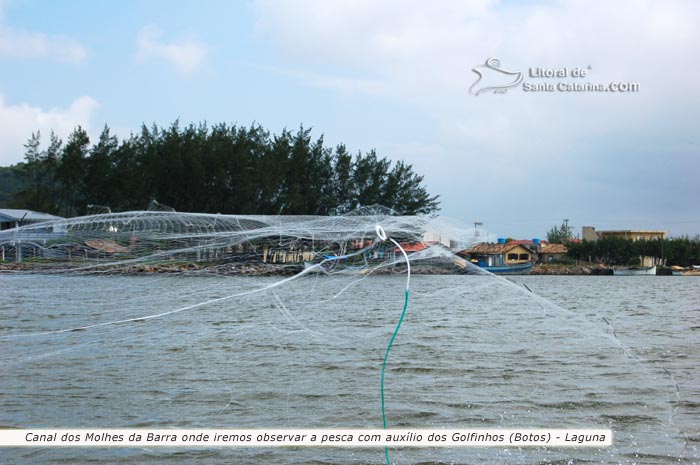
[(165, 319)]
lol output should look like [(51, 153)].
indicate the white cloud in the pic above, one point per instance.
[(187, 56), (17, 122), (422, 54), (17, 43), (425, 52), (23, 44)]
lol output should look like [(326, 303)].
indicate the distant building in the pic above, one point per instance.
[(14, 245), (588, 233), (436, 237), (499, 254), (551, 252), (13, 218)]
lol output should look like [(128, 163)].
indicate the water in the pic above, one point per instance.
[(474, 352)]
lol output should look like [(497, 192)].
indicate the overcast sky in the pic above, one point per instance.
[(395, 76)]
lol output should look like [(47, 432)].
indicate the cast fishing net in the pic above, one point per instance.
[(159, 319)]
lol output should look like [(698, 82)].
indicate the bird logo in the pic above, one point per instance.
[(493, 78)]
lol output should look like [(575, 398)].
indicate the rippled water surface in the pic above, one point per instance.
[(474, 352)]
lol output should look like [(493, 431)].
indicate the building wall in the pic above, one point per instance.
[(551, 257), (434, 236), (524, 255), (634, 235), (588, 233)]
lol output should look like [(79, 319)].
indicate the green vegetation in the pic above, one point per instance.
[(11, 181), (222, 169), (560, 234), (683, 251)]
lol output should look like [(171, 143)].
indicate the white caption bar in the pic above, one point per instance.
[(305, 437)]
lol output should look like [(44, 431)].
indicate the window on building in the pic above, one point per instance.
[(524, 256), (512, 256)]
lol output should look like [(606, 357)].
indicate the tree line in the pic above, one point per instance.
[(682, 251), (222, 169)]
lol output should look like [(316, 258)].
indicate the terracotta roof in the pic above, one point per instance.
[(415, 246), (492, 249), (107, 246), (553, 248)]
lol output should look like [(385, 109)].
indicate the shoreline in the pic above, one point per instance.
[(571, 270), (262, 269)]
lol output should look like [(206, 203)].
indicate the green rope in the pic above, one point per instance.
[(386, 357)]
